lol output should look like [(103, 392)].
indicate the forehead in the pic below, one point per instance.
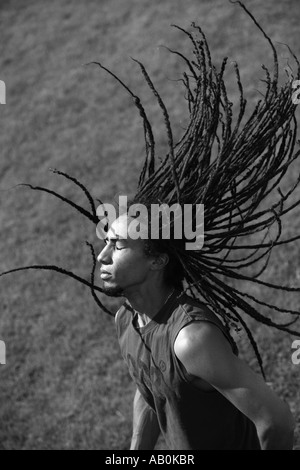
[(124, 227), (120, 227)]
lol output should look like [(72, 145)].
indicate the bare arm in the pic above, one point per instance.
[(145, 425), (206, 354)]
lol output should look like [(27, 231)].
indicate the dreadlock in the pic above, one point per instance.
[(229, 168)]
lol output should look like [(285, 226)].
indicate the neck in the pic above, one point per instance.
[(149, 301)]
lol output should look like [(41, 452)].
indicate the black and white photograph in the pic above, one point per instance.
[(150, 227)]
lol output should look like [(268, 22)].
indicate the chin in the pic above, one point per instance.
[(113, 291)]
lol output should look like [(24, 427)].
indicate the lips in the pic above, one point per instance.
[(104, 274)]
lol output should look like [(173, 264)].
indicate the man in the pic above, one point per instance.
[(190, 384)]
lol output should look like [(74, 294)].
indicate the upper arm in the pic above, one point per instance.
[(205, 353), (140, 405), (143, 415), (139, 399), (145, 425)]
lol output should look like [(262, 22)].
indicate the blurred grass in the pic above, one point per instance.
[(65, 385)]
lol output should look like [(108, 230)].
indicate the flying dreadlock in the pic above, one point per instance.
[(229, 168)]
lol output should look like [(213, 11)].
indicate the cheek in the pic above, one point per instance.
[(130, 266)]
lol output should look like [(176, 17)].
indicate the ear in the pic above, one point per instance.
[(160, 262)]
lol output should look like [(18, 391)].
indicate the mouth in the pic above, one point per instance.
[(104, 275)]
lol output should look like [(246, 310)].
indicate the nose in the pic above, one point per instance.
[(104, 256)]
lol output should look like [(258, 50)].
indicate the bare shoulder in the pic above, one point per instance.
[(203, 349), (199, 336)]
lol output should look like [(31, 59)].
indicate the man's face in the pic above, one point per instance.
[(124, 266)]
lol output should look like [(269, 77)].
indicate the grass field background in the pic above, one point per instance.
[(65, 385)]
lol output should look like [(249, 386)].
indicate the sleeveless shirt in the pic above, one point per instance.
[(189, 418)]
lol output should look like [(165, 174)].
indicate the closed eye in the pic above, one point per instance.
[(115, 242)]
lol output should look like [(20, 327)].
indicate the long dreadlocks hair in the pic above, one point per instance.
[(229, 168)]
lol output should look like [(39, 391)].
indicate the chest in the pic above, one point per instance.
[(150, 360)]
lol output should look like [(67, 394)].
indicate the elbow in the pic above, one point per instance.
[(291, 424), (277, 433), (288, 422)]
